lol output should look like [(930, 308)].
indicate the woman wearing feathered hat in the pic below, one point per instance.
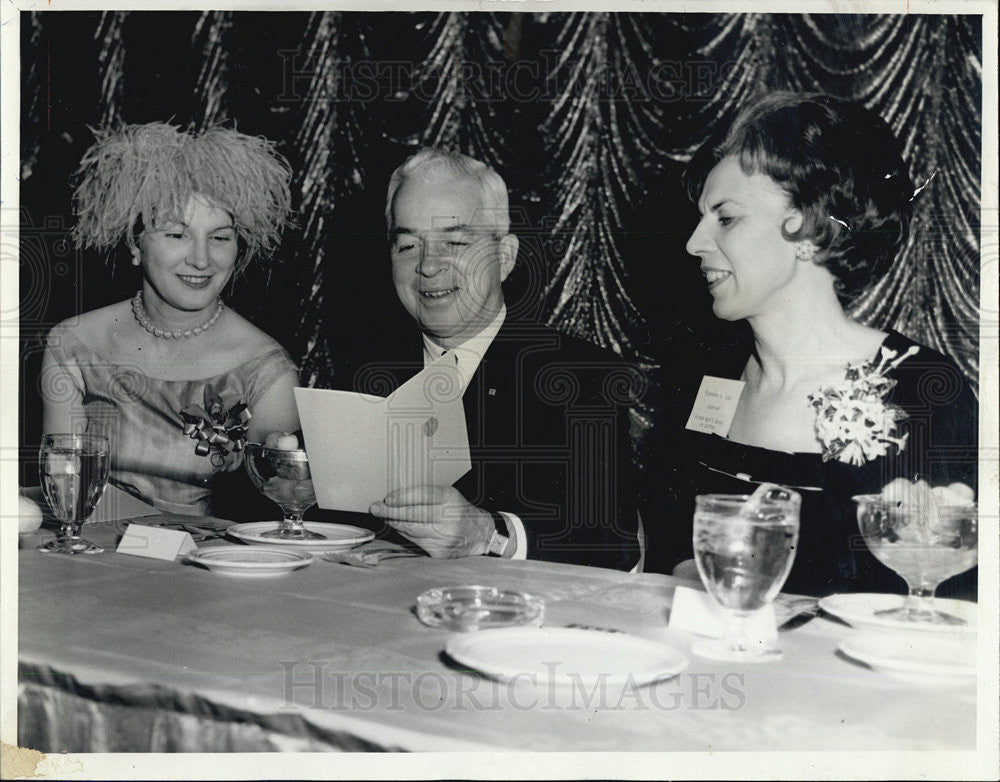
[(175, 378)]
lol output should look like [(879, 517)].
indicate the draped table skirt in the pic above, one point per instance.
[(123, 654)]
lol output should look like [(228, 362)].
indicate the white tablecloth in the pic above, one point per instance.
[(124, 654)]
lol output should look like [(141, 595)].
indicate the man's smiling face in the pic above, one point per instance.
[(448, 258)]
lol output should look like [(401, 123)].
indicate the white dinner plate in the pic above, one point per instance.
[(914, 656), (565, 656), (335, 536), (859, 610), (255, 561)]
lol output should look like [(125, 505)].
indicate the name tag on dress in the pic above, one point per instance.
[(715, 405)]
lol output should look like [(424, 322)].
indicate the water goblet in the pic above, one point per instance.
[(283, 477), (925, 542), (744, 548), (73, 469)]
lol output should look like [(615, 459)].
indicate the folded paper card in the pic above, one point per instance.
[(155, 542), (362, 447), (695, 612)]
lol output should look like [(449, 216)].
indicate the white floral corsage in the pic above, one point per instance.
[(853, 421)]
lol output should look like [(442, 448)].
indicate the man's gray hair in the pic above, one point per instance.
[(444, 165)]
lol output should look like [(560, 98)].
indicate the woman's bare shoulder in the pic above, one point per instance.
[(93, 328), (245, 340)]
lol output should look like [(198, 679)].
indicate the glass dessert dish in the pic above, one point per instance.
[(465, 608)]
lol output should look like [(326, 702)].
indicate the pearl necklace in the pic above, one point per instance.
[(140, 315)]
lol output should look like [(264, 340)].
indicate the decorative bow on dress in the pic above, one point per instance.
[(216, 430)]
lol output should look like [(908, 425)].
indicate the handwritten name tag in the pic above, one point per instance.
[(715, 405), (155, 542)]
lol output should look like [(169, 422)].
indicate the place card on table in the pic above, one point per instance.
[(155, 542), (694, 611), (715, 405)]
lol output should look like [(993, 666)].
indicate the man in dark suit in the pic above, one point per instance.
[(547, 415)]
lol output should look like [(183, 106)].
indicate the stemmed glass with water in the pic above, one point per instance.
[(73, 469), (744, 547)]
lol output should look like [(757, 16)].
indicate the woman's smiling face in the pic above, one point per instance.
[(187, 261), (746, 260)]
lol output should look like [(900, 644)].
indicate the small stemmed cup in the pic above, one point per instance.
[(283, 477)]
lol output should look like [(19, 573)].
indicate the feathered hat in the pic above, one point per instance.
[(134, 176)]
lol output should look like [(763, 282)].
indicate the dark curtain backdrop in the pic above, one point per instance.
[(590, 118)]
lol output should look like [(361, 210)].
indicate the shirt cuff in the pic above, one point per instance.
[(515, 530)]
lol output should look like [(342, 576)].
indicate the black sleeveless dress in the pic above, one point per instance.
[(831, 556)]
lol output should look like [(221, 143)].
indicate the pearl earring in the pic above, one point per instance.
[(805, 251)]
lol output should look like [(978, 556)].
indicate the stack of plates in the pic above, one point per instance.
[(931, 653)]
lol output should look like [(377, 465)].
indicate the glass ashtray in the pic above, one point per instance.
[(465, 608)]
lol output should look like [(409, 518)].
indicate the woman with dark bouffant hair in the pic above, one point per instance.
[(173, 377), (805, 203)]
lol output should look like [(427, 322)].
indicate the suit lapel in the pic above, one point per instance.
[(489, 400)]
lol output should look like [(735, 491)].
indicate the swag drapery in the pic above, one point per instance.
[(588, 116)]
